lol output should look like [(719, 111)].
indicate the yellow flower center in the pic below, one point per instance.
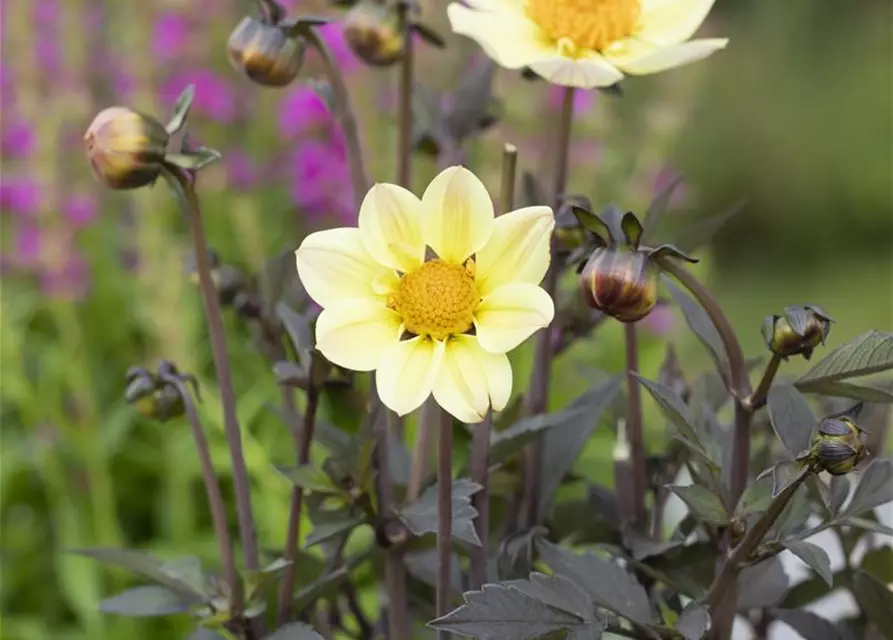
[(438, 299), (585, 24)]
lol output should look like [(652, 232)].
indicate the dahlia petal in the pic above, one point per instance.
[(586, 72), (518, 249), (390, 222), (637, 57), (672, 21), (407, 372), (356, 334), (505, 34), (510, 314), (457, 214), (461, 384)]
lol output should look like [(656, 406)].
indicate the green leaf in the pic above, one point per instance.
[(171, 575), (658, 207), (782, 473), (593, 223), (756, 497), (869, 525), (328, 530), (875, 599), (675, 410), (632, 229), (704, 505), (847, 390), (298, 328), (874, 489), (791, 417), (699, 323), (294, 631), (420, 517), (149, 600), (557, 592), (693, 622), (762, 585), (471, 100), (608, 584), (814, 556), (838, 492), (194, 159), (278, 282), (871, 352), (181, 110), (310, 478), (500, 612), (506, 443), (423, 565), (570, 431), (808, 624), (321, 587)]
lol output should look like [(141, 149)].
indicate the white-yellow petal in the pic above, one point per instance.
[(391, 224), (497, 5), (334, 265), (506, 35), (407, 372), (461, 384), (510, 314), (637, 57), (357, 333), (457, 214), (672, 21), (498, 371), (585, 72), (518, 250)]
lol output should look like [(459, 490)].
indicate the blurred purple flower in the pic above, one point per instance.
[(49, 54), (45, 12), (660, 321), (241, 173), (169, 36), (214, 98), (333, 35), (17, 139), (20, 196), (80, 209), (7, 86), (319, 173), (301, 109), (583, 100), (27, 245), (67, 278)]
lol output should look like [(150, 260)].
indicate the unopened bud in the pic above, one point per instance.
[(620, 283), (373, 33), (265, 53), (126, 148), (797, 332), (838, 445)]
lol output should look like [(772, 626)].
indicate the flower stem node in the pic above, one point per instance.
[(797, 332), (266, 53), (126, 148), (838, 445), (373, 32)]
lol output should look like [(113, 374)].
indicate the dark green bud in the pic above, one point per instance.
[(838, 446), (374, 34), (266, 53), (126, 148), (798, 332), (620, 282)]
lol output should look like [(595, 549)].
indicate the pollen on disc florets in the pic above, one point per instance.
[(438, 299), (588, 24)]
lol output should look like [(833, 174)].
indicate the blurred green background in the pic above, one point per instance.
[(795, 117)]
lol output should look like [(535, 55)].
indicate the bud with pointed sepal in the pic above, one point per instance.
[(838, 446), (266, 53), (126, 148), (620, 277), (797, 332), (374, 33)]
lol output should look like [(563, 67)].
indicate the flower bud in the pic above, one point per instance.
[(797, 332), (163, 404), (620, 283), (838, 445), (126, 148), (373, 33), (265, 53)]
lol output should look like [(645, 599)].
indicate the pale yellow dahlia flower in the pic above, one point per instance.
[(587, 43), (431, 294)]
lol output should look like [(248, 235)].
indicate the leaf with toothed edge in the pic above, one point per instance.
[(848, 390), (420, 517), (872, 352), (182, 575)]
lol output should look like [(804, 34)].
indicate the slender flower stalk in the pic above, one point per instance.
[(222, 366), (758, 398), (422, 449), (634, 424), (444, 517), (404, 115), (215, 497), (303, 436), (539, 386)]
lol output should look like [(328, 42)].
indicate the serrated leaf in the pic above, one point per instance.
[(675, 410), (505, 443), (310, 478), (149, 600), (808, 624), (658, 207), (328, 530), (570, 431), (294, 631), (499, 612), (875, 599), (146, 566), (847, 390), (608, 584), (814, 556), (874, 489), (558, 592), (762, 585), (791, 417), (871, 352), (704, 505), (420, 517), (693, 622), (699, 323)]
